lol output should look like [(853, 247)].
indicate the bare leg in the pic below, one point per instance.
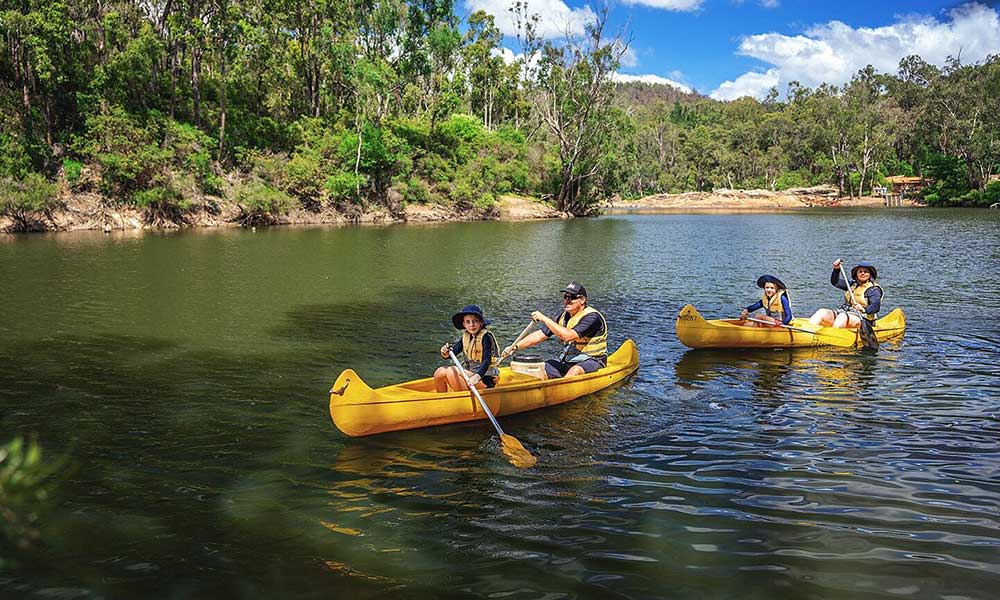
[(771, 321), (574, 370), (441, 379), (823, 317), (455, 380), (847, 321)]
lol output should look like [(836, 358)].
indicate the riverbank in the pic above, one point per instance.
[(81, 212), (725, 199)]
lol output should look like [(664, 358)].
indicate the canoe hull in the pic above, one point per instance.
[(358, 410), (696, 332)]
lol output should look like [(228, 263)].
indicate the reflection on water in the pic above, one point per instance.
[(184, 377)]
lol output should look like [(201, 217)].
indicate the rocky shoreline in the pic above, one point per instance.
[(726, 199), (83, 212)]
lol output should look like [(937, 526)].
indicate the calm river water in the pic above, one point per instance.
[(183, 378)]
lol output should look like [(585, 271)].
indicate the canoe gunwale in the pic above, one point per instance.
[(367, 411), (694, 331), (418, 396)]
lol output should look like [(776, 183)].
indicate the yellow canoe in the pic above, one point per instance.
[(695, 331), (357, 409)]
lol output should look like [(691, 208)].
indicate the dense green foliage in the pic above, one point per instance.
[(940, 124), (26, 482), (354, 104)]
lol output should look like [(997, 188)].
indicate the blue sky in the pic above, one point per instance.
[(731, 48)]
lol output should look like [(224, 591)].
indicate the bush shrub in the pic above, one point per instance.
[(304, 177), (462, 195), (790, 179), (14, 160), (191, 149), (991, 194), (71, 171), (163, 203), (343, 187), (26, 487), (126, 150), (28, 203), (486, 203), (261, 204), (416, 191)]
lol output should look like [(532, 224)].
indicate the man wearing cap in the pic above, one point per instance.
[(582, 329)]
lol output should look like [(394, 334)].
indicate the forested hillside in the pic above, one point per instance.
[(172, 105)]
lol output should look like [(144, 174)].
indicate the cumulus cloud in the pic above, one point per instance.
[(833, 52), (747, 84), (556, 19), (623, 78), (674, 5)]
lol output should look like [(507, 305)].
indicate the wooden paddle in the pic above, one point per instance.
[(519, 338), (866, 331), (835, 337), (513, 449)]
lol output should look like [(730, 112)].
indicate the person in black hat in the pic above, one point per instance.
[(479, 346), (774, 301), (862, 294), (582, 329)]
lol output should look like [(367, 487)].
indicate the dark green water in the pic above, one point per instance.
[(183, 377)]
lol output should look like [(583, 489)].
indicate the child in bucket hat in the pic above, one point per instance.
[(775, 302), (479, 348)]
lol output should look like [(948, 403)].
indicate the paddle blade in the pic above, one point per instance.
[(516, 453), (867, 333)]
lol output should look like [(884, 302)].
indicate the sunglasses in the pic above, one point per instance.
[(570, 297)]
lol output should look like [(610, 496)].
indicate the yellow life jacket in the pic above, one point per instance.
[(583, 348), (472, 348), (858, 292), (772, 306)]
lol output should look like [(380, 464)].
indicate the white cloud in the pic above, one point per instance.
[(834, 52), (629, 58), (674, 5), (555, 18), (623, 78), (770, 3), (747, 84)]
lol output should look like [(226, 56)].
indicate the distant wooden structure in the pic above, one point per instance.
[(901, 186)]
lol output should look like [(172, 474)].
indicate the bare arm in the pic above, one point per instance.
[(565, 334)]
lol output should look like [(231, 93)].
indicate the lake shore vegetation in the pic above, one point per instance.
[(192, 112)]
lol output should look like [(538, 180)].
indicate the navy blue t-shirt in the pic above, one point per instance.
[(590, 326)]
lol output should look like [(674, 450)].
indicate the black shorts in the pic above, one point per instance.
[(489, 382), (558, 368)]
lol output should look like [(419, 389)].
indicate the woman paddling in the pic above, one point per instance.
[(863, 297), (774, 301), (479, 346)]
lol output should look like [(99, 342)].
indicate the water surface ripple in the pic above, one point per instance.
[(183, 377)]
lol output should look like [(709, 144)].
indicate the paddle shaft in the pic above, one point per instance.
[(803, 330), (830, 337), (849, 293), (519, 338), (865, 328), (475, 392)]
